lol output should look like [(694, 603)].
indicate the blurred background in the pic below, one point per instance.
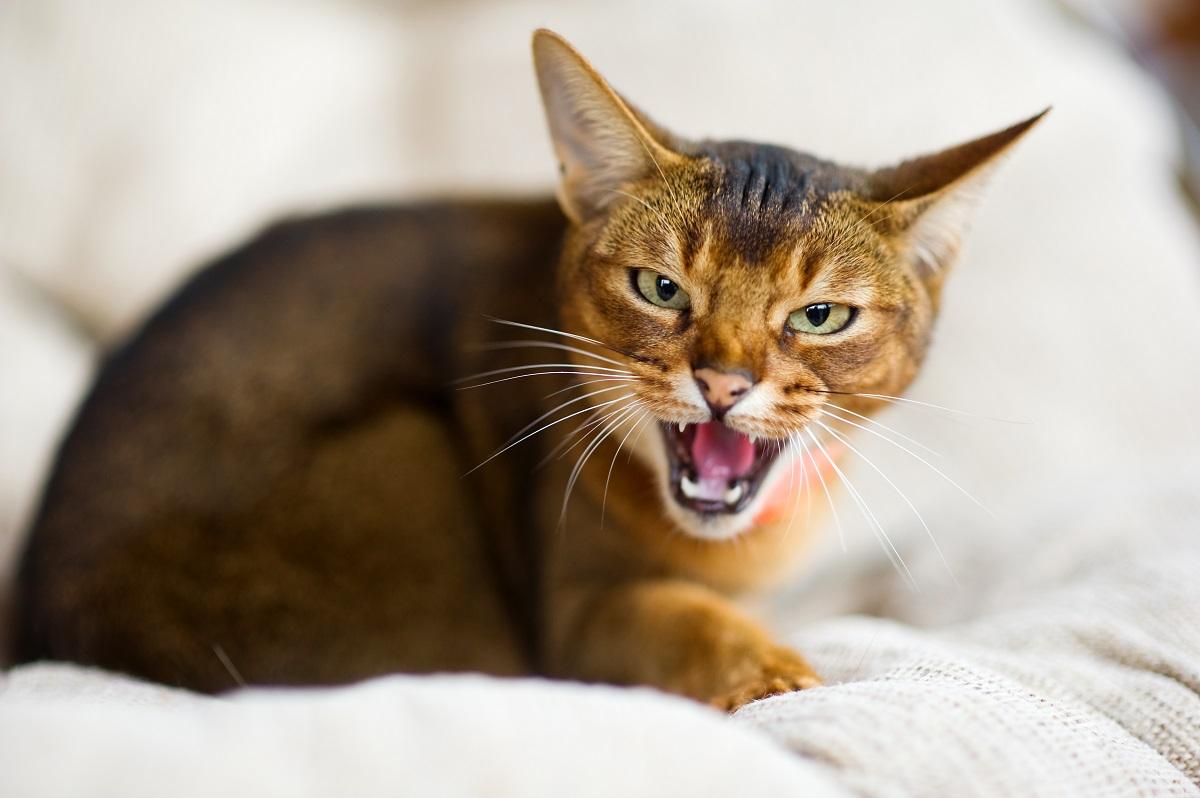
[(140, 137)]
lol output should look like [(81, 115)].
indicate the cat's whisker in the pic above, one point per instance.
[(848, 231), (915, 403), (889, 548), (883, 205), (807, 494), (573, 366), (587, 453), (932, 539), (560, 449), (791, 489), (575, 385), (922, 460), (543, 428), (578, 435), (661, 173), (529, 344), (795, 493), (932, 406), (567, 403), (825, 487), (604, 501), (552, 331), (545, 374), (662, 217), (830, 407), (633, 444)]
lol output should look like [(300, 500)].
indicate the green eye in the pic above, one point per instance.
[(821, 318), (661, 291)]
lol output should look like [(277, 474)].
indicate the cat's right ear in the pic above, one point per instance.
[(601, 143)]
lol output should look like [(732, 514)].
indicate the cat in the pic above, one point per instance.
[(265, 485)]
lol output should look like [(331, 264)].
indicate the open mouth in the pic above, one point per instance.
[(714, 468)]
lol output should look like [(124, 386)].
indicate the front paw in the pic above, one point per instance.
[(778, 671)]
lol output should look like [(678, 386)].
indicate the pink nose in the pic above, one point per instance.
[(721, 389)]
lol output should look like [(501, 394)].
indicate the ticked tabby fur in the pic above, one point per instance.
[(265, 484)]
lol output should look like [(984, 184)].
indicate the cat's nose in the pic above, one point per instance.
[(721, 389)]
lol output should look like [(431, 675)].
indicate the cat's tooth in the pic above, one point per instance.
[(733, 494), (753, 439), (681, 426), (690, 489)]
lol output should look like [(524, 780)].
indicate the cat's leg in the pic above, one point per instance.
[(675, 635)]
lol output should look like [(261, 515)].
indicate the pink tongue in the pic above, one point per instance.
[(720, 454)]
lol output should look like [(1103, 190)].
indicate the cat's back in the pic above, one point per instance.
[(313, 325)]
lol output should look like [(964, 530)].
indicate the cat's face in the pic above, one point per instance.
[(770, 282), (750, 294)]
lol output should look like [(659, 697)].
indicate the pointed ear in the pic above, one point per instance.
[(930, 198), (601, 142)]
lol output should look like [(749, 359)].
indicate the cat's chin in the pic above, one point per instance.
[(714, 476)]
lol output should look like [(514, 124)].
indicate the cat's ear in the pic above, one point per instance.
[(601, 142), (930, 198)]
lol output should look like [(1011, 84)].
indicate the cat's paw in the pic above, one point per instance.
[(782, 671)]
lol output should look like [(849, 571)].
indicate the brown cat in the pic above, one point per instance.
[(265, 484)]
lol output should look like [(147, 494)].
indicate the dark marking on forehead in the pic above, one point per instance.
[(763, 195)]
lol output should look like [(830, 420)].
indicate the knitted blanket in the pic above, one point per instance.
[(1049, 645)]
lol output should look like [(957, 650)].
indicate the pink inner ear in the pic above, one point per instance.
[(720, 453)]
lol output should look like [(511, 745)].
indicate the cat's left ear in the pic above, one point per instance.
[(601, 142), (930, 198)]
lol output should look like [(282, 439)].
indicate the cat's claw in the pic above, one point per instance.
[(782, 671), (764, 688)]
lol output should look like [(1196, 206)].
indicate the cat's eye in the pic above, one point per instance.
[(661, 291), (820, 318)]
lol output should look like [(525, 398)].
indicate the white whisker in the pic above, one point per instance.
[(900, 493), (607, 479), (504, 449), (543, 374), (588, 451), (795, 493), (807, 494), (662, 174), (932, 406), (881, 535), (567, 403), (636, 438), (921, 459), (577, 435), (573, 366), (589, 382), (527, 344), (828, 495), (827, 407), (666, 225), (551, 331)]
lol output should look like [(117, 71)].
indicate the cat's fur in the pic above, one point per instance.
[(264, 485)]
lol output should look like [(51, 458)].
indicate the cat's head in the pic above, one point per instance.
[(757, 296)]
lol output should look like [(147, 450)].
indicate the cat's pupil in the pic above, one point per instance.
[(665, 288), (817, 314)]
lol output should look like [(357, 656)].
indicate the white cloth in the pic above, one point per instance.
[(1066, 661), (1079, 675)]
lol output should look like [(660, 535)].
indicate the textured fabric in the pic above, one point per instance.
[(68, 731), (1083, 681), (1050, 649)]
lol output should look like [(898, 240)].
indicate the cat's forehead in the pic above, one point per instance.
[(761, 196)]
